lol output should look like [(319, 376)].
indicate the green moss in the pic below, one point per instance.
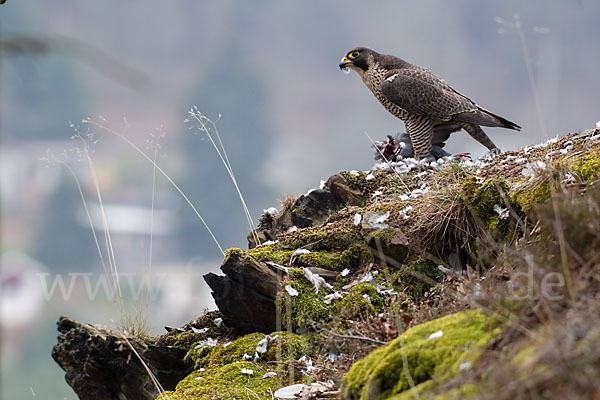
[(323, 244), (466, 391), (417, 277), (283, 346), (182, 339), (586, 167), (357, 182), (320, 259), (198, 357), (231, 251), (356, 303), (528, 197), (286, 346), (221, 376), (481, 199), (381, 374), (307, 306), (262, 253), (225, 382), (469, 187), (322, 238), (186, 339), (382, 237), (270, 253), (224, 354), (352, 258)]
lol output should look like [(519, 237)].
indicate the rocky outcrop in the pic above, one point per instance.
[(246, 293), (311, 209), (379, 254), (102, 365)]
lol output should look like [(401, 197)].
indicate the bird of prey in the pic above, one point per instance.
[(424, 101)]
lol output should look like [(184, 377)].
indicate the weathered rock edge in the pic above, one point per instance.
[(246, 293), (100, 365)]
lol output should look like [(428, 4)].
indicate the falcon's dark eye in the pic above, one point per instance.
[(354, 54)]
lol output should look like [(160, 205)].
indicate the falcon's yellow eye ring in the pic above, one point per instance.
[(354, 54)]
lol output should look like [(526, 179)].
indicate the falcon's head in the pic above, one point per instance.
[(359, 59)]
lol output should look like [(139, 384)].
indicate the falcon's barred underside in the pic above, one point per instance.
[(421, 99)]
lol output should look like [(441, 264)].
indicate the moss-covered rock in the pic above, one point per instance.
[(231, 381), (308, 306), (282, 346), (417, 277), (423, 355), (481, 200), (222, 371), (220, 354), (322, 238), (586, 167), (270, 253), (356, 181), (182, 339), (205, 328), (363, 299), (528, 197), (352, 258)]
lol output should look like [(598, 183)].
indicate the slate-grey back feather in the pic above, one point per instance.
[(420, 98), (420, 92)]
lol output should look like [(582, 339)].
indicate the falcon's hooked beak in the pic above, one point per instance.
[(344, 63)]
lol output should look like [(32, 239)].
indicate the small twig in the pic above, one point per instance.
[(152, 377), (353, 337)]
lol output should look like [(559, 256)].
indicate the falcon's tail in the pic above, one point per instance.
[(483, 117)]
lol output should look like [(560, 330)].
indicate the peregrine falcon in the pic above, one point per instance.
[(421, 99)]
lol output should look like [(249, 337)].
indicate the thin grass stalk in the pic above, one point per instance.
[(200, 118), (163, 173)]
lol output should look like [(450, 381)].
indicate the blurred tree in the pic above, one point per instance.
[(62, 242)]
